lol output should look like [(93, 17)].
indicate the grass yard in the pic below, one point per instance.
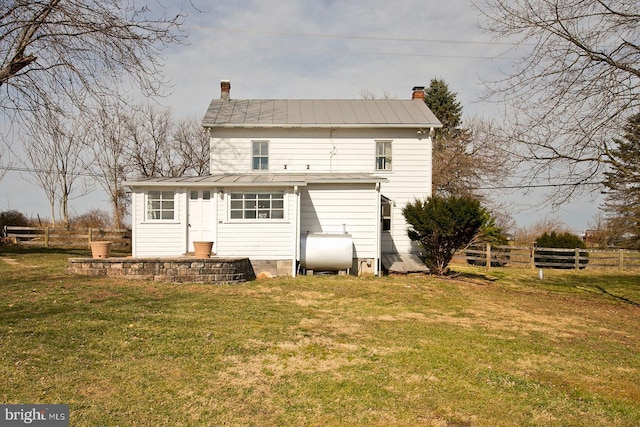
[(505, 349)]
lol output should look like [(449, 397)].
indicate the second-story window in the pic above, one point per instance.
[(260, 155), (383, 155)]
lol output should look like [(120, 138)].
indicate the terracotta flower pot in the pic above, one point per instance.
[(202, 249), (100, 249)]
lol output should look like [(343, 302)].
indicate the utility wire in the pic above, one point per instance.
[(364, 52), (51, 171), (497, 187), (374, 38)]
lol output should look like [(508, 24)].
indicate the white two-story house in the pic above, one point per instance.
[(294, 182)]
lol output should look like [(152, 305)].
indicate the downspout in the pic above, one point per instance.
[(296, 251), (134, 220), (376, 267), (218, 196), (183, 207)]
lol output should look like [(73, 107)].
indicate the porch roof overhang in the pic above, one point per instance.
[(258, 180)]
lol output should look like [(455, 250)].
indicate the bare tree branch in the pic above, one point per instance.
[(575, 84), (56, 151), (55, 53)]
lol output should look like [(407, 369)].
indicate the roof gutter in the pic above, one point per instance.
[(316, 126), (209, 184)]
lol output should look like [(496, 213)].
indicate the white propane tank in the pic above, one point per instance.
[(326, 252)]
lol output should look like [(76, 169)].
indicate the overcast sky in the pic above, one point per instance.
[(324, 49)]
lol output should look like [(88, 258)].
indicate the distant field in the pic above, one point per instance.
[(501, 349)]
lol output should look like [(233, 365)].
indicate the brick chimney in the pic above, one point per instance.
[(225, 89), (418, 92)]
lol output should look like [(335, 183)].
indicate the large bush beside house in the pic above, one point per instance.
[(559, 258), (443, 225)]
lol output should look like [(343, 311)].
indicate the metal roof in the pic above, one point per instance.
[(258, 180), (325, 113)]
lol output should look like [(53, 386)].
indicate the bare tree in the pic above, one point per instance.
[(466, 156), (41, 161), (3, 167), (110, 151), (576, 81), (150, 133), (192, 142), (367, 94), (601, 231), (160, 145), (56, 150), (527, 235), (144, 141), (469, 160), (492, 164), (51, 51)]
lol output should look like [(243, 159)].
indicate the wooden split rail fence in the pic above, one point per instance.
[(67, 237), (536, 257)]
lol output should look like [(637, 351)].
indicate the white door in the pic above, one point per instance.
[(201, 217)]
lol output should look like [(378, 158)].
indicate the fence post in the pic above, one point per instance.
[(488, 252), (90, 236), (577, 258), (621, 262), (46, 237), (532, 253)]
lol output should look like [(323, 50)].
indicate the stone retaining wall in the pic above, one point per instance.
[(210, 270)]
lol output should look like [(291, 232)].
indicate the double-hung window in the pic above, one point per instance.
[(260, 155), (257, 206), (383, 155), (160, 205)]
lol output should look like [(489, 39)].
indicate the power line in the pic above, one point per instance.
[(364, 52), (45, 171), (498, 187), (373, 38), (530, 186)]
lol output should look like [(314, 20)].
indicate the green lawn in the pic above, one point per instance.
[(504, 349)]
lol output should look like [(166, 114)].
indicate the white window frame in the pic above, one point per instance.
[(164, 204), (384, 156), (259, 158), (385, 217), (257, 206)]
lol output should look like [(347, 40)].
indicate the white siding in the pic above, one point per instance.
[(230, 155), (300, 151), (410, 178), (257, 239), (335, 209), (158, 238), (326, 150)]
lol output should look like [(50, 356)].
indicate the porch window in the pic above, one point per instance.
[(257, 206), (160, 205), (260, 156), (196, 194), (383, 155), (385, 214)]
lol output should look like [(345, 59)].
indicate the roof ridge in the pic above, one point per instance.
[(392, 113)]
